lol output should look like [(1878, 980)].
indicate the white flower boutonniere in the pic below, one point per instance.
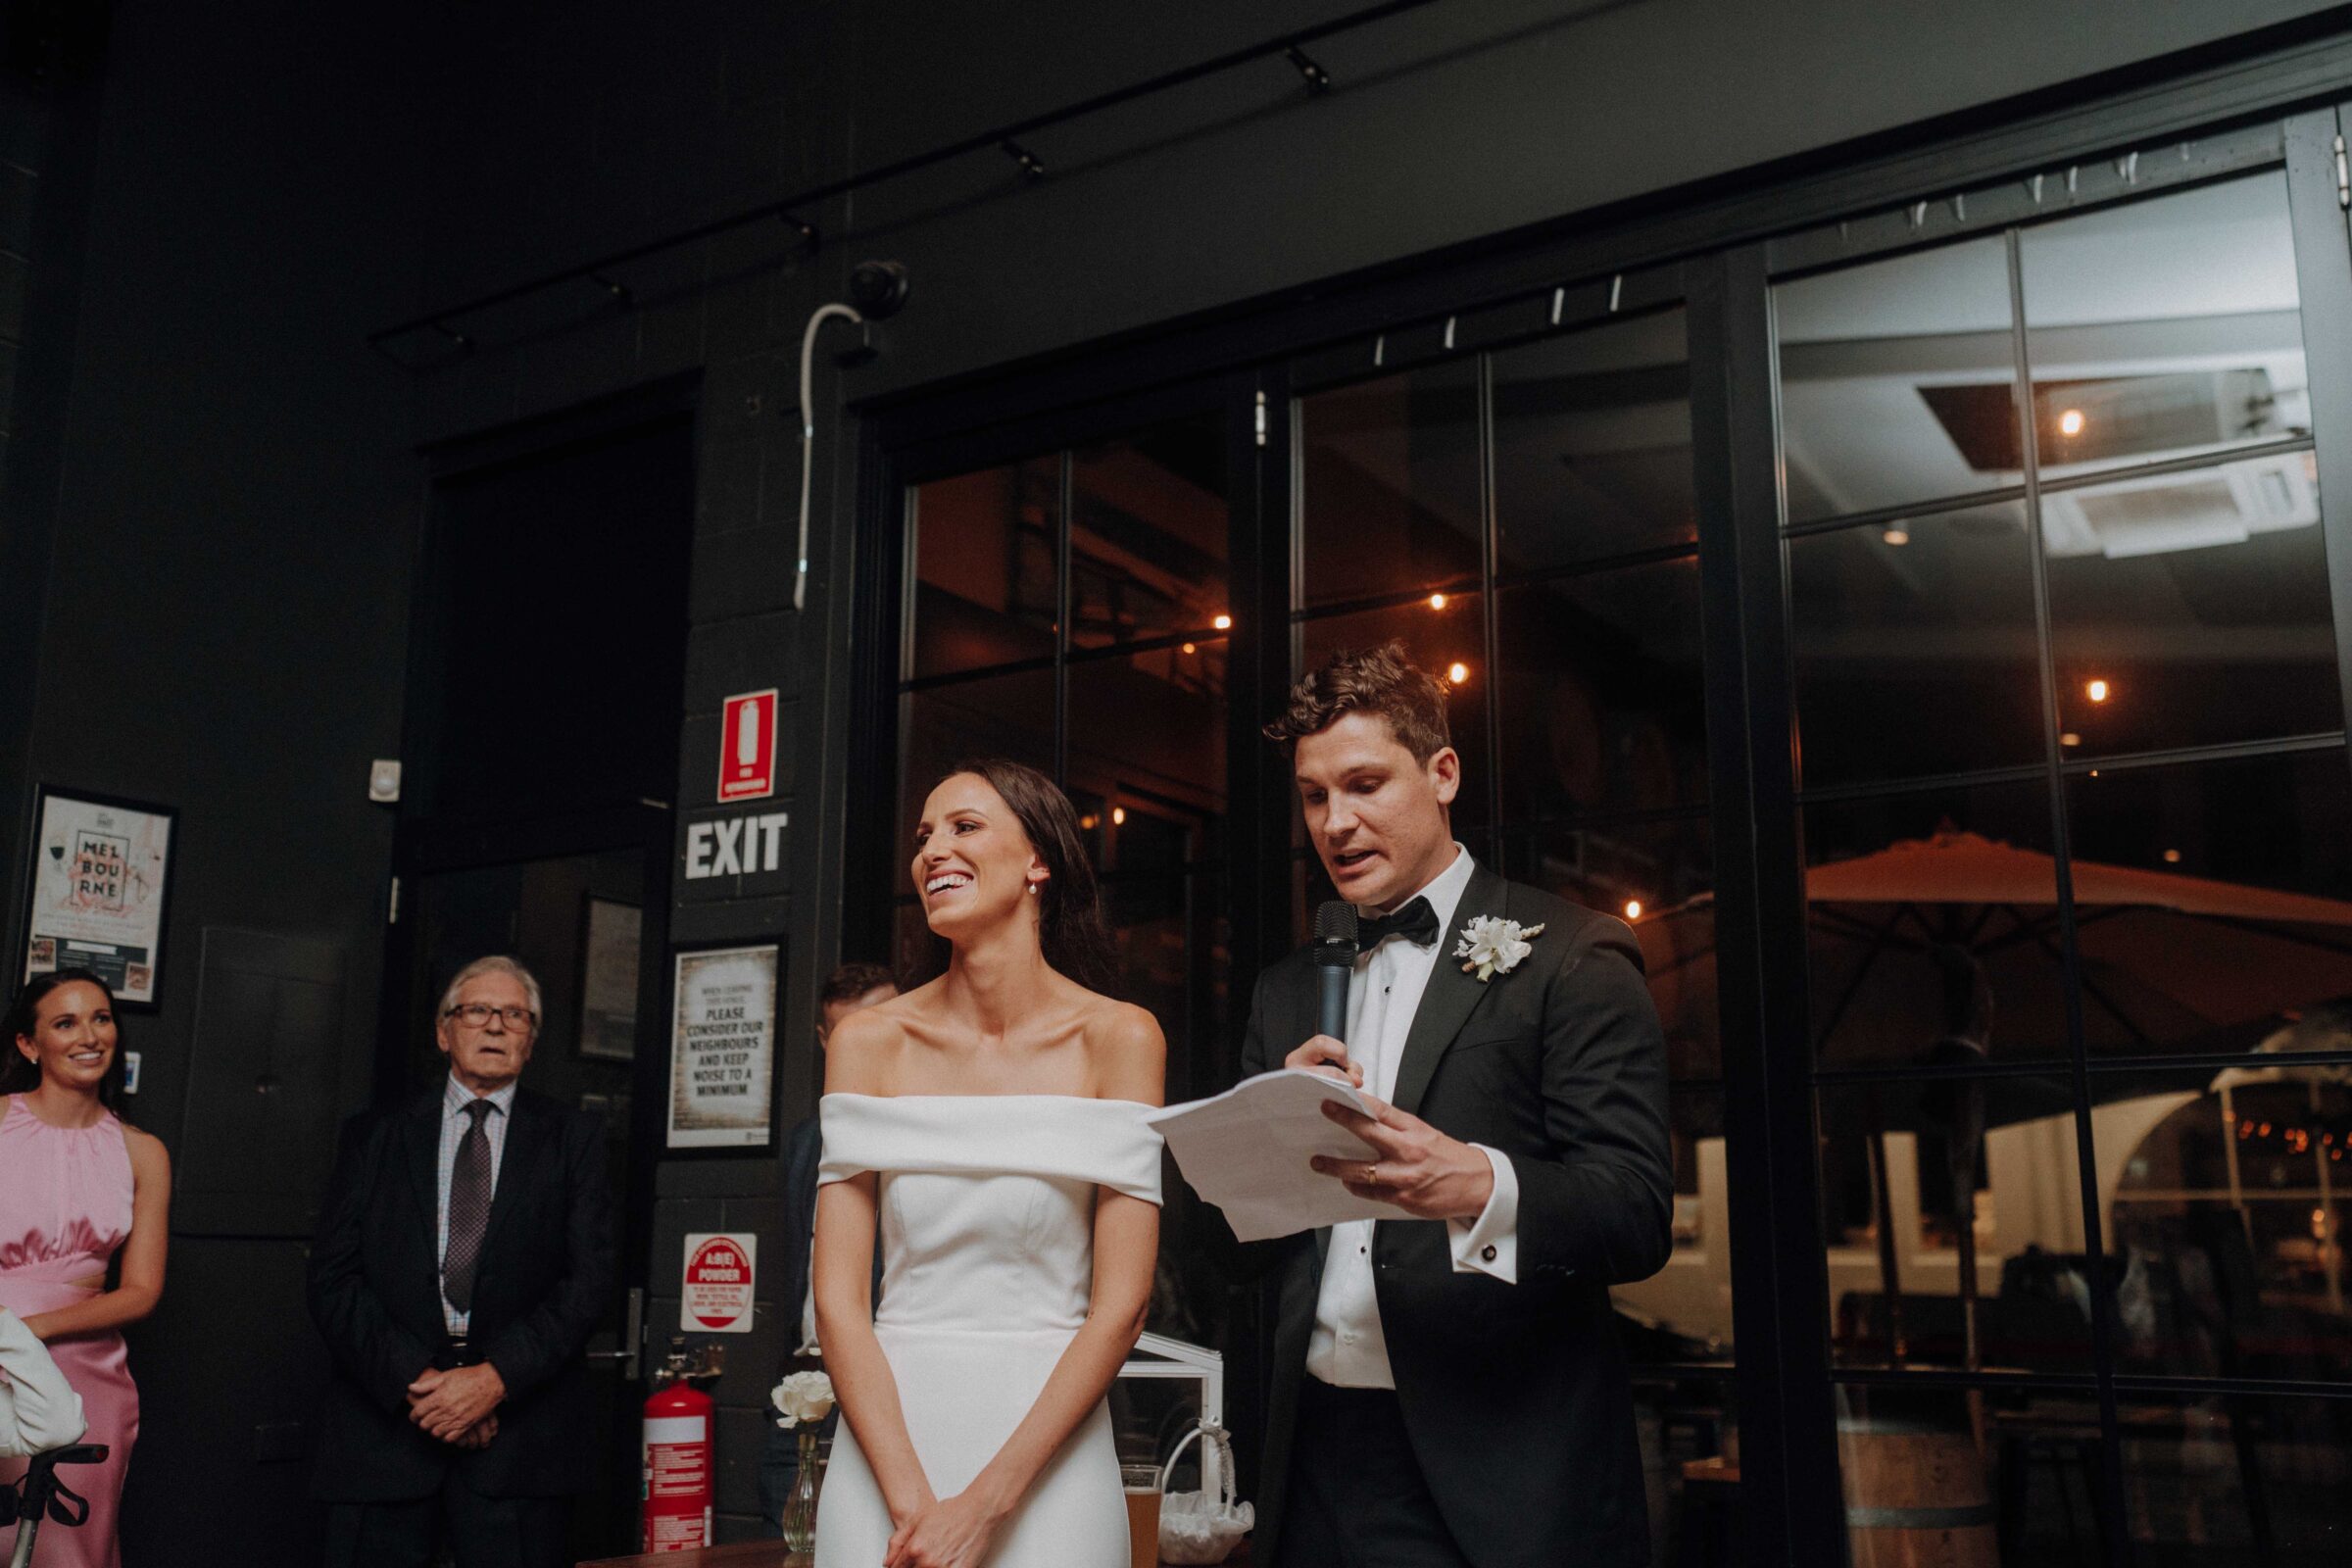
[(1491, 946)]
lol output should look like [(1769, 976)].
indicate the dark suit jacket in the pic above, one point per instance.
[(1516, 1395), (545, 1282)]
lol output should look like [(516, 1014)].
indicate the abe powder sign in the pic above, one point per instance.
[(716, 1296), (722, 1049)]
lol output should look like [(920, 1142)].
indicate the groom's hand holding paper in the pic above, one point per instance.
[(1414, 1166), (1250, 1151)]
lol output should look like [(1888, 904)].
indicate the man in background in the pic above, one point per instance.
[(847, 989), (463, 1256)]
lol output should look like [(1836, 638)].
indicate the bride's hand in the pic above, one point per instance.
[(953, 1532)]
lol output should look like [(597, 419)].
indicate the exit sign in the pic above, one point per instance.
[(747, 746)]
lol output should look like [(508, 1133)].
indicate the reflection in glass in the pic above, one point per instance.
[(2215, 904), (2164, 327), (1884, 376), (1952, 1210), (2227, 1196), (1603, 704), (1389, 485), (1146, 754), (1922, 1486), (1592, 443), (1688, 1429), (2229, 1480), (1149, 534), (1446, 635), (1914, 646), (983, 565), (1174, 957), (1933, 921), (996, 716), (1684, 1311), (1655, 876), (2191, 608)]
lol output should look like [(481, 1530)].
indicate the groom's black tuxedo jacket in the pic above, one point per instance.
[(1515, 1396)]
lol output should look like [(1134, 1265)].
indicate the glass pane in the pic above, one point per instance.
[(1651, 875), (1148, 536), (2165, 327), (2214, 906), (2227, 1196), (1389, 485), (1146, 754), (1174, 957), (1895, 381), (1914, 646), (1446, 635), (2229, 1480), (996, 716), (2191, 608), (1921, 1487), (1688, 1429), (1603, 704), (1683, 1314), (1592, 445), (1921, 1177), (1932, 918), (983, 549)]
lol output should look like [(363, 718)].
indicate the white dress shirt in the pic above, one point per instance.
[(38, 1408), (1347, 1348), (454, 1101)]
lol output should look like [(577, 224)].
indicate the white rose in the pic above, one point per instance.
[(804, 1399)]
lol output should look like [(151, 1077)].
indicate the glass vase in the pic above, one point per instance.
[(800, 1510)]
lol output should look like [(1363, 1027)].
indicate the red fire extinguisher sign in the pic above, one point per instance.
[(677, 1477), (747, 746)]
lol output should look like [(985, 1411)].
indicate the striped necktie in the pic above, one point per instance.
[(468, 1210)]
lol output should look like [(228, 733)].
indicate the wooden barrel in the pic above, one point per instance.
[(1915, 1494)]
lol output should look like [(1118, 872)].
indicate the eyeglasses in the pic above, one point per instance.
[(477, 1015)]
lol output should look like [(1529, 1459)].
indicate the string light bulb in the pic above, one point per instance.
[(2097, 691), (1457, 673), (1632, 908), (1437, 601), (1118, 816), (2069, 424), (1223, 623)]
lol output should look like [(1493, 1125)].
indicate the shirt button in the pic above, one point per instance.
[(1487, 1252), (1361, 1251), (1350, 1338)]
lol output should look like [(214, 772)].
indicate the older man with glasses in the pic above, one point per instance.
[(464, 1257)]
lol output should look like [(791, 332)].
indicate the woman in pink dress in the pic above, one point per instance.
[(79, 1189)]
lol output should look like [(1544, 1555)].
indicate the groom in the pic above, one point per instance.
[(1448, 1390)]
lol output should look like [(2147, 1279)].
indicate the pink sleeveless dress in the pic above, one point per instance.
[(65, 1207)]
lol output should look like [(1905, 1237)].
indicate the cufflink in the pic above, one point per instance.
[(1485, 1254)]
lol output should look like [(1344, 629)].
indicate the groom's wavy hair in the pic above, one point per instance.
[(1072, 926), (1381, 680)]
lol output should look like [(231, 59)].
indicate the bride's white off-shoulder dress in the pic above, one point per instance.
[(987, 1210)]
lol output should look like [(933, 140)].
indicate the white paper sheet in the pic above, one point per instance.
[(1247, 1152)]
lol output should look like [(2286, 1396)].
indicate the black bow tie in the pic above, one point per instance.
[(1416, 922)]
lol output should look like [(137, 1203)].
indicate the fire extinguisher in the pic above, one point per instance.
[(677, 1484)]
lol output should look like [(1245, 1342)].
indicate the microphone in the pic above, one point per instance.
[(1335, 960)]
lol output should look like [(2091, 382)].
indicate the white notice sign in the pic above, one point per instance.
[(722, 1049)]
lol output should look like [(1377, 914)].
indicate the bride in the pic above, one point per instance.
[(989, 1124)]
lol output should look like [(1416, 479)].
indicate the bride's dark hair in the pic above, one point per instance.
[(1070, 923)]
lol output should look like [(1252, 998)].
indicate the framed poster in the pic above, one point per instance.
[(609, 936), (722, 1049), (100, 873)]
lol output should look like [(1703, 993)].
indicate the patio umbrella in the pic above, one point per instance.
[(1949, 948)]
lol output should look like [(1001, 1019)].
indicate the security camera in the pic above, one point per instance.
[(877, 289)]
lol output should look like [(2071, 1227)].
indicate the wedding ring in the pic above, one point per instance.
[(1371, 1175)]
